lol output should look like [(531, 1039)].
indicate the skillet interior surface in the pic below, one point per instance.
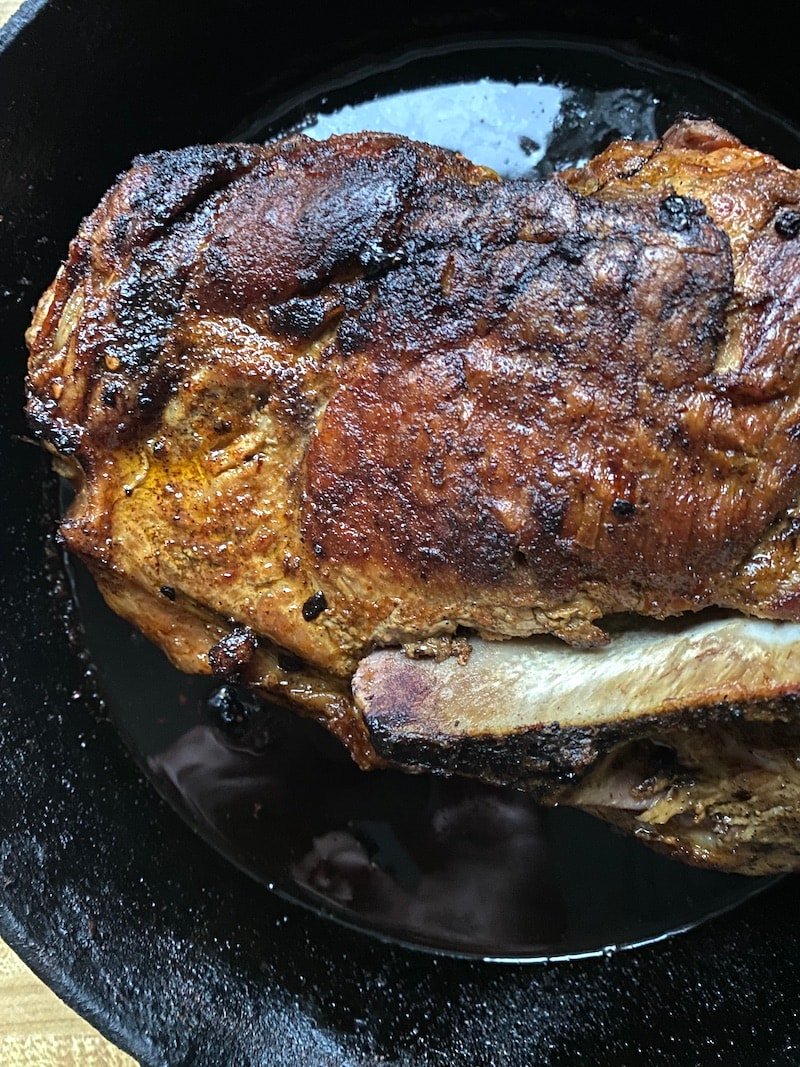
[(104, 891)]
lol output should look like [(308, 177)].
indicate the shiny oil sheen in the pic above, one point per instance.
[(449, 866)]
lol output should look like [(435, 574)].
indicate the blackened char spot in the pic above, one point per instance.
[(167, 186), (624, 509), (487, 549), (232, 652), (680, 213), (314, 606), (64, 436), (787, 223), (299, 317), (148, 299), (354, 334)]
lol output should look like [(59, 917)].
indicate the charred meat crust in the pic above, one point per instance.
[(553, 757), (535, 324), (232, 653), (441, 399), (128, 268)]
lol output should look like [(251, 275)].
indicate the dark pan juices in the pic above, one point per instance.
[(450, 866)]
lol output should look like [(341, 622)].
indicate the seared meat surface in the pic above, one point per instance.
[(366, 369), (322, 397)]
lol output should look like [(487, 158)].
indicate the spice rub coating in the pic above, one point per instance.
[(361, 392)]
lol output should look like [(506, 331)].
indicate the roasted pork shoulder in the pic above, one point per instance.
[(322, 398)]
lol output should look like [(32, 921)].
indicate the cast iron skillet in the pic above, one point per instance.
[(105, 893)]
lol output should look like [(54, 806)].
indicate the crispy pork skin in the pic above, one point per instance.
[(318, 398)]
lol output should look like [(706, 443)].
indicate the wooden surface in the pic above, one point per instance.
[(36, 1028)]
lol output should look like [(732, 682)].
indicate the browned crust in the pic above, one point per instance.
[(509, 406)]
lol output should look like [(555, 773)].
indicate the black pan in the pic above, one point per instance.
[(103, 890)]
